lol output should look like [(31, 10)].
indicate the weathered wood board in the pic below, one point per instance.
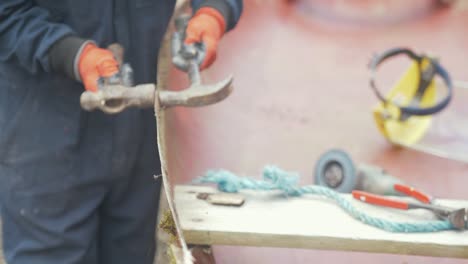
[(271, 220), (164, 244)]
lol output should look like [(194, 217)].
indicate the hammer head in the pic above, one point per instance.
[(113, 99), (197, 94), (459, 218)]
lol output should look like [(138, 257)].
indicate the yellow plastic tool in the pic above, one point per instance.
[(415, 113), (387, 116)]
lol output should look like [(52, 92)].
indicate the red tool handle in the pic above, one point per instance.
[(379, 200), (410, 191)]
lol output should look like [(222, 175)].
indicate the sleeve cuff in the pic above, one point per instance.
[(64, 55), (220, 5)]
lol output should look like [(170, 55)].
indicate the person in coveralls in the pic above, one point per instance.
[(77, 186)]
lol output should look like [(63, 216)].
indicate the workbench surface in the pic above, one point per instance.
[(268, 219)]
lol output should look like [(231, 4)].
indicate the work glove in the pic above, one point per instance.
[(94, 63), (82, 60), (206, 26)]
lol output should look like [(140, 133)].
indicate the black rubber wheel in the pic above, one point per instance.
[(335, 169)]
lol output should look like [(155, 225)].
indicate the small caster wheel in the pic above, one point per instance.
[(336, 170)]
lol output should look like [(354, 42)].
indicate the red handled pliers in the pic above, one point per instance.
[(457, 217)]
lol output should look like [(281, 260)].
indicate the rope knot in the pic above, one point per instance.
[(281, 179)]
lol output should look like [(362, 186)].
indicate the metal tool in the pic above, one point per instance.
[(457, 217), (335, 169), (117, 93)]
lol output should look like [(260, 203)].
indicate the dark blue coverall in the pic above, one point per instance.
[(76, 186)]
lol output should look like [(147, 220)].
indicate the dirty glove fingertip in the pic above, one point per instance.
[(108, 67), (192, 38), (91, 82), (208, 61), (210, 56)]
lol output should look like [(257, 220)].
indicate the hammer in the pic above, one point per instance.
[(117, 93)]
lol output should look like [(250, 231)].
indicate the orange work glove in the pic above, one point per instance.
[(207, 26), (94, 63)]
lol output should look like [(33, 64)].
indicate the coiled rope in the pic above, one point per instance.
[(276, 179)]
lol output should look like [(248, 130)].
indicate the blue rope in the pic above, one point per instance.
[(277, 179)]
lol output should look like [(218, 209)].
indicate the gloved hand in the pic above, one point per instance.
[(94, 63), (207, 26)]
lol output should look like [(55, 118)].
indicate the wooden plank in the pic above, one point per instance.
[(311, 222), (164, 67)]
